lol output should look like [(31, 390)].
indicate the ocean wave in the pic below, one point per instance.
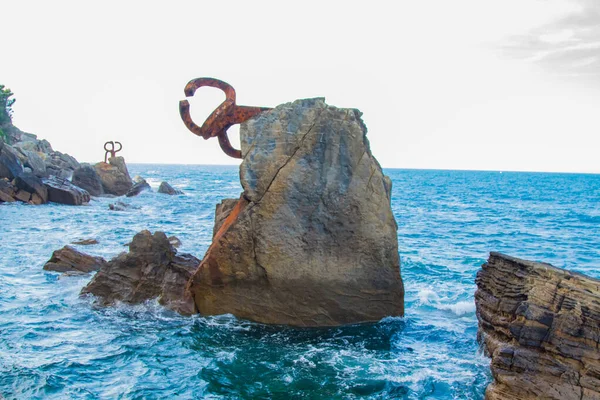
[(429, 297)]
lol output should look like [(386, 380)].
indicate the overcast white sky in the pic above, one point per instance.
[(463, 84)]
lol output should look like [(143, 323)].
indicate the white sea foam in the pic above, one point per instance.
[(428, 297), (458, 308)]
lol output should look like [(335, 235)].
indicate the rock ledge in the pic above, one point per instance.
[(541, 326)]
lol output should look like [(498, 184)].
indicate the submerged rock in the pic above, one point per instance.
[(68, 259), (88, 179), (313, 240), (114, 176), (165, 188), (85, 242), (151, 269), (122, 206), (64, 192), (541, 326)]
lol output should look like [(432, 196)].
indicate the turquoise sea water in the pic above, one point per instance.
[(56, 345)]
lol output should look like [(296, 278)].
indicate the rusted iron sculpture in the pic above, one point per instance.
[(111, 150), (225, 115)]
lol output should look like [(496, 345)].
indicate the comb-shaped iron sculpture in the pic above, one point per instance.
[(228, 113), (112, 150)]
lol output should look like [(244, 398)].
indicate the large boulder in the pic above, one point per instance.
[(68, 259), (87, 178), (10, 164), (36, 163), (114, 176), (34, 185), (313, 240), (151, 269), (541, 326), (64, 192)]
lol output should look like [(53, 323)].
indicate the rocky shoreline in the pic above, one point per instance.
[(541, 327), (32, 172)]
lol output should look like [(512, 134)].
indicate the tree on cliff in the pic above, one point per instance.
[(5, 105), (5, 108)]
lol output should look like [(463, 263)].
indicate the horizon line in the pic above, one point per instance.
[(402, 168)]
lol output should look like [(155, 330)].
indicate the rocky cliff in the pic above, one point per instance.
[(32, 172), (541, 326), (312, 240)]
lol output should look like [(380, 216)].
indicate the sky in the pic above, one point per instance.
[(507, 85)]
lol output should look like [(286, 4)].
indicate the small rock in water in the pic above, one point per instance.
[(68, 259), (165, 188), (151, 269), (85, 242), (122, 206), (175, 242), (139, 186)]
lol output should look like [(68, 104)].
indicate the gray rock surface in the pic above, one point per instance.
[(312, 241), (36, 163), (222, 211), (32, 184), (86, 242), (10, 164), (114, 176), (165, 188), (64, 192), (87, 178), (7, 191), (68, 259), (138, 187), (541, 326), (38, 155), (151, 269), (175, 242)]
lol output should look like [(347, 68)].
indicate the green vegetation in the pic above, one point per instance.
[(5, 108), (5, 105)]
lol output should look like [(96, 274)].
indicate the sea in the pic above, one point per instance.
[(55, 344)]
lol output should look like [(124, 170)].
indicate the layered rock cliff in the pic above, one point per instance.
[(312, 240), (541, 326)]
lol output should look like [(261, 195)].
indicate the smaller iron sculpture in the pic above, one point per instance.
[(225, 115), (111, 150)]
